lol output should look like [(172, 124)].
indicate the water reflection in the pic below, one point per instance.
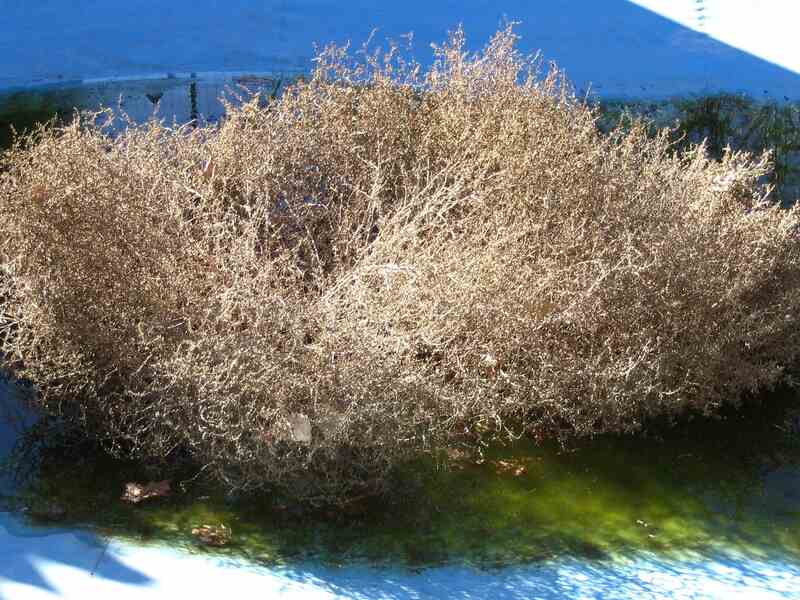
[(181, 100)]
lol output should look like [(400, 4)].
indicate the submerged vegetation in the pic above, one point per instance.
[(722, 487), (382, 263)]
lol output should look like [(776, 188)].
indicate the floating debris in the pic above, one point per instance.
[(508, 466), (459, 459), (213, 535), (136, 492)]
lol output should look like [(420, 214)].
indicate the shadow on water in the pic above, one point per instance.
[(721, 578), (25, 546)]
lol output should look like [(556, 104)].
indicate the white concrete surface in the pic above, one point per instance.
[(641, 48), (767, 29)]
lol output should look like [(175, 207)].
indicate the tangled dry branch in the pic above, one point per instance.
[(383, 261)]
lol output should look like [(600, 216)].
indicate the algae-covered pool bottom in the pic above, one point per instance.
[(730, 486)]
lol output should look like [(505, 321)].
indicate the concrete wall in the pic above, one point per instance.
[(618, 48)]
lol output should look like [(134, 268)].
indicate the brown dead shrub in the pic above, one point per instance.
[(383, 261)]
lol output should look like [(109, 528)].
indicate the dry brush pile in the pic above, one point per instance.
[(384, 261)]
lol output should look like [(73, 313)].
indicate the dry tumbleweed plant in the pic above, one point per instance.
[(383, 261)]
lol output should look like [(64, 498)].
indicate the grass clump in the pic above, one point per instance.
[(384, 261)]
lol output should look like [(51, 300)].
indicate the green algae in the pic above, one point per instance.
[(729, 485)]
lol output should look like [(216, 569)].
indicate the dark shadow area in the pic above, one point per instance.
[(21, 112)]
